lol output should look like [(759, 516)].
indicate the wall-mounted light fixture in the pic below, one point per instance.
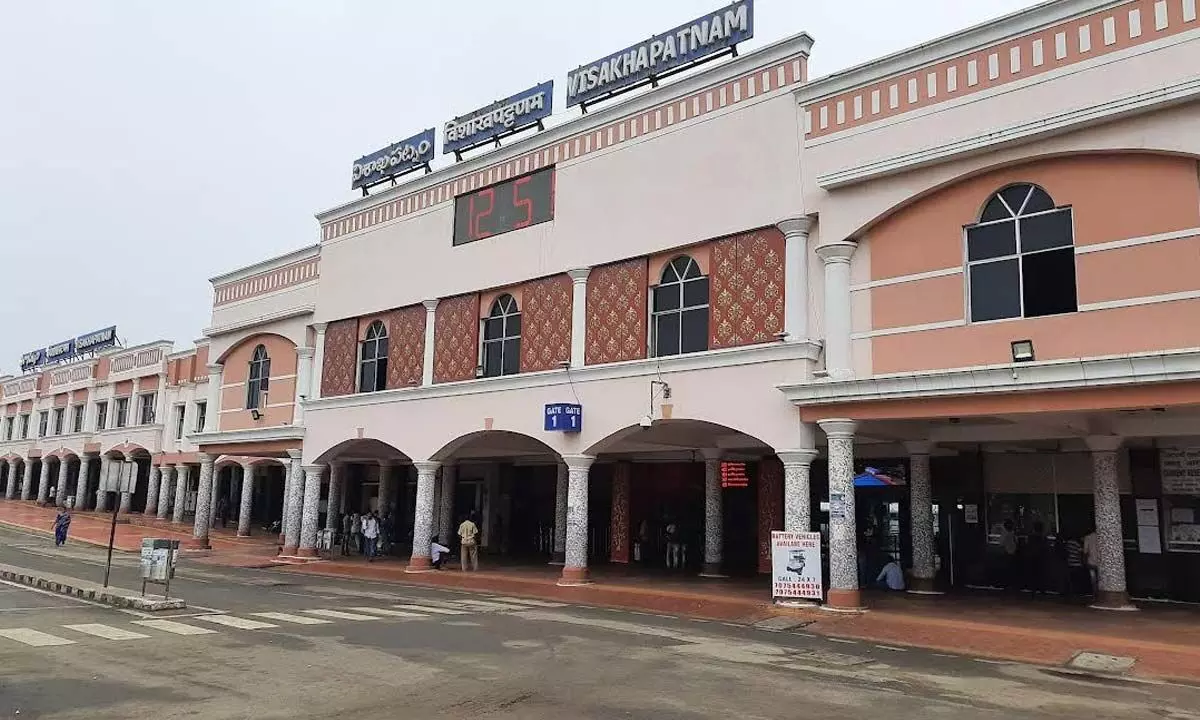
[(1022, 351)]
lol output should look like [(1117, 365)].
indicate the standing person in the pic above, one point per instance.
[(370, 533), (1076, 575), (1008, 546), (356, 531), (346, 534), (468, 533), (1091, 555), (674, 546), (61, 522), (387, 528), (222, 510), (1035, 560)]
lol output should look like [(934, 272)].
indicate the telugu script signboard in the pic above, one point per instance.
[(395, 159), (1180, 470), (796, 565)]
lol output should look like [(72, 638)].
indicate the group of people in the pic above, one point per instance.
[(367, 534), (1028, 562), (468, 540), (667, 538)]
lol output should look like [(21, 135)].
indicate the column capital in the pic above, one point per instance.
[(712, 454), (205, 458), (319, 328), (314, 469), (304, 353), (796, 457), (426, 466), (578, 462), (579, 275), (215, 368), (430, 305), (838, 428), (837, 252), (1104, 443), (295, 454), (918, 447), (796, 226)]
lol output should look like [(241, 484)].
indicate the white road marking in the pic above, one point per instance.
[(892, 648), (842, 640), (236, 622), (176, 628), (288, 617), (106, 631), (389, 613), (485, 605), (993, 662), (340, 615), (431, 609), (35, 638), (523, 601)]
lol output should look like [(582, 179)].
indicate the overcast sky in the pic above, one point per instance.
[(148, 145)]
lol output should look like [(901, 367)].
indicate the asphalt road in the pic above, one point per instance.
[(264, 644)]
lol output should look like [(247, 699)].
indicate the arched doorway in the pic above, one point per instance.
[(134, 460), (368, 475), (664, 478)]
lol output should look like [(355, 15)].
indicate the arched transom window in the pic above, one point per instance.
[(258, 378), (1021, 257), (679, 310), (372, 359), (502, 338)]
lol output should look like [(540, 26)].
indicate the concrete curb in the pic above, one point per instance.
[(71, 587)]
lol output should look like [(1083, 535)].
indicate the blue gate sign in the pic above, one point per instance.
[(564, 417)]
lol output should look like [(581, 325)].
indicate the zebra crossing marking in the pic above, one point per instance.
[(389, 613), (175, 628), (431, 609), (34, 638), (288, 617), (106, 631), (524, 601), (485, 605), (340, 615), (237, 622)]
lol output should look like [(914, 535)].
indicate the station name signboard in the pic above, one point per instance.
[(395, 159), (500, 118), (68, 349), (662, 53)]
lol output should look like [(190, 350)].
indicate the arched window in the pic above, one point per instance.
[(679, 312), (502, 338), (372, 359), (1021, 257), (260, 375)]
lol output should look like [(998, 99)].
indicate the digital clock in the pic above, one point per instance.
[(504, 207)]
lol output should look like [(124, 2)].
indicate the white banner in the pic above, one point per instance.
[(796, 565)]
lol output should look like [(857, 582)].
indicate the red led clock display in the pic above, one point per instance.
[(507, 206)]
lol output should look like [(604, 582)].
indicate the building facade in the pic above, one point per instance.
[(924, 305)]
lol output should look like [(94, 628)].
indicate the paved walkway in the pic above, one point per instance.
[(1164, 639)]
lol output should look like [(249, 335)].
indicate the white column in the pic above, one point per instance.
[(423, 516), (160, 401), (60, 493), (203, 504), (82, 485), (558, 557), (318, 360), (579, 279), (312, 510), (131, 416), (89, 416), (101, 490), (920, 514), (795, 277), (797, 494), (127, 497), (247, 501), (575, 568), (304, 369), (43, 488), (166, 485), (14, 479), (333, 509), (839, 361), (182, 474), (1111, 592), (714, 516), (213, 407), (843, 534), (430, 322), (151, 506), (293, 511), (446, 504)]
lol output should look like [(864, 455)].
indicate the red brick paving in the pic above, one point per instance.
[(1165, 640)]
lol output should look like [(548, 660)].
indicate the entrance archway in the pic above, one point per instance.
[(139, 458), (369, 475)]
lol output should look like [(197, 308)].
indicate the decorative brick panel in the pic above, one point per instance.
[(546, 323), (616, 312), (746, 289), (341, 356), (456, 339), (406, 346), (770, 507)]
